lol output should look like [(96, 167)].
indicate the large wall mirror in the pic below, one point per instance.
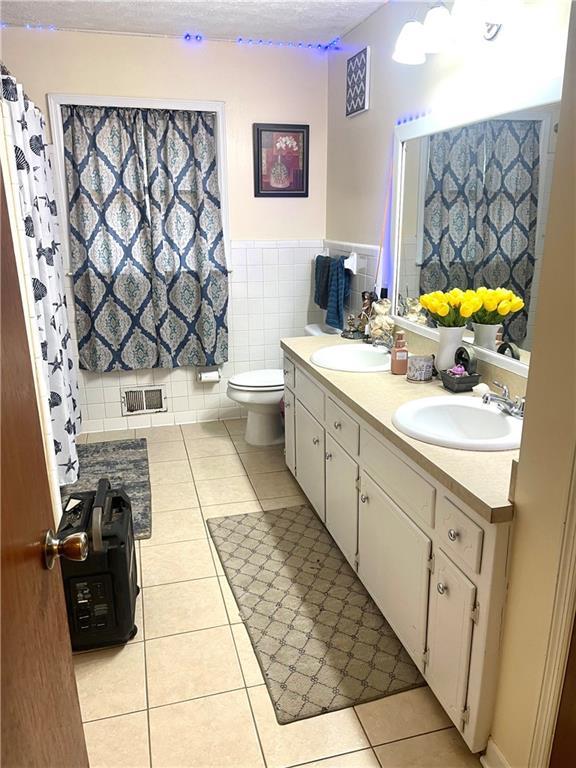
[(471, 205)]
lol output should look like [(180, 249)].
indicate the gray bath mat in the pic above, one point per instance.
[(125, 464), (320, 639)]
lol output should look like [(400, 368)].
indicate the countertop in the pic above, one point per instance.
[(481, 479)]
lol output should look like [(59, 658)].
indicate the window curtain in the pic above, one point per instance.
[(25, 133), (480, 211), (147, 246)]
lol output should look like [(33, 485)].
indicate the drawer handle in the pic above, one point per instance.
[(315, 440), (337, 425), (328, 456), (442, 588), (363, 498), (453, 534)]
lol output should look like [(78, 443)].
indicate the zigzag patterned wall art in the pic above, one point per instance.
[(358, 82)]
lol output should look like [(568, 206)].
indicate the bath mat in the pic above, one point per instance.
[(125, 464), (320, 639)]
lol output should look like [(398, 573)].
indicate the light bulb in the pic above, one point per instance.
[(410, 46), (438, 29)]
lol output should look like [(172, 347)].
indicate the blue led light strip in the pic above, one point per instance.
[(333, 45)]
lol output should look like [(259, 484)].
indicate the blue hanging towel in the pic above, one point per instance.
[(338, 292), (321, 275)]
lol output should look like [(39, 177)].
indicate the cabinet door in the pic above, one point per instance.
[(310, 457), (452, 599), (342, 499), (289, 431), (393, 556)]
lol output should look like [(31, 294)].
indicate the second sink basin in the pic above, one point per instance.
[(459, 422), (357, 358)]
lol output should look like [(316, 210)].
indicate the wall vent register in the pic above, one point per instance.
[(143, 400)]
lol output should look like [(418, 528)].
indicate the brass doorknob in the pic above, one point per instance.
[(73, 547)]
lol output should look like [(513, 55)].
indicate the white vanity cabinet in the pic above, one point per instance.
[(435, 567)]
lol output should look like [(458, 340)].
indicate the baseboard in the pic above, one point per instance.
[(493, 758)]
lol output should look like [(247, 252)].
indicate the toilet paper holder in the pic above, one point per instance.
[(208, 375)]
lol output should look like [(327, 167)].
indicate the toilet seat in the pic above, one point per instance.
[(269, 380)]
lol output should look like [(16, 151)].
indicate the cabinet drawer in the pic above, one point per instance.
[(409, 490), (459, 535), (342, 427), (310, 394), (289, 371)]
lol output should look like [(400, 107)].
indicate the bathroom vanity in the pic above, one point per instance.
[(426, 528)]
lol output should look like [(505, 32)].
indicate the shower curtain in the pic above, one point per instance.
[(480, 211), (150, 278), (33, 173)]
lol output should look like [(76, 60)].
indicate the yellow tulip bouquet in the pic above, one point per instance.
[(487, 306)]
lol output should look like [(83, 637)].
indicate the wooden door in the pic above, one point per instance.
[(289, 431), (41, 722), (310, 458), (342, 499), (564, 745), (393, 555)]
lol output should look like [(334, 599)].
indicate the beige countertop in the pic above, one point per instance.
[(480, 478)]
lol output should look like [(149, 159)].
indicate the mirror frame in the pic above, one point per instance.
[(426, 126)]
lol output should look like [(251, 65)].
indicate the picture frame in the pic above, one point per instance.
[(281, 159), (358, 83)]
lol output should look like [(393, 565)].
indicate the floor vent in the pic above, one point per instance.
[(143, 400)]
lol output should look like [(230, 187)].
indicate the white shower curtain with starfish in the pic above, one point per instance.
[(39, 216)]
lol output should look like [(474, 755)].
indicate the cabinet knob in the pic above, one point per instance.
[(442, 588), (315, 440), (363, 498), (453, 534), (328, 456), (285, 372), (287, 405), (337, 425)]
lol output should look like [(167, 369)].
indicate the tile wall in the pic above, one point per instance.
[(271, 296)]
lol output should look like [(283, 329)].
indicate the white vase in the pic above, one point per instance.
[(485, 335), (449, 341)]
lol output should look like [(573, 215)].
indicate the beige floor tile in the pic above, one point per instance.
[(215, 732), (243, 447), (225, 510), (229, 601), (177, 496), (444, 749), (194, 664), (218, 492), (168, 563), (402, 715), (204, 429), (170, 473), (175, 450), (160, 434), (272, 485), (183, 607), (364, 758), (235, 426), (305, 740), (210, 446), (118, 742), (108, 437), (248, 661), (271, 460), (111, 682), (176, 525), (216, 556), (283, 501), (217, 467), (138, 618), (82, 439)]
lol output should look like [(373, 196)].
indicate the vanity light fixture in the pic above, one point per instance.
[(410, 46), (438, 29)]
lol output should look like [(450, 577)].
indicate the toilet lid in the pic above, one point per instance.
[(270, 379)]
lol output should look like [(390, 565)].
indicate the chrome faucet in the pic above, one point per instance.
[(509, 406)]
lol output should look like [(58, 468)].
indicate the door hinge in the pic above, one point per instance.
[(426, 657), (465, 716), (357, 560), (358, 484), (475, 615), (431, 562)]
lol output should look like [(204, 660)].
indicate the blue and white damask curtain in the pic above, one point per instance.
[(147, 246), (25, 131), (480, 211)]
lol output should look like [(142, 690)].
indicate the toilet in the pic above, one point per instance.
[(260, 392)]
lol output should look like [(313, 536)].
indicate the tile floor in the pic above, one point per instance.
[(187, 691)]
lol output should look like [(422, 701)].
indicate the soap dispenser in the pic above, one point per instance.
[(399, 354)]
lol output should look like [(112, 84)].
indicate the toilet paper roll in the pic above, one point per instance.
[(207, 377)]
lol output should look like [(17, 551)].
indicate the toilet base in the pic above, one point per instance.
[(264, 428)]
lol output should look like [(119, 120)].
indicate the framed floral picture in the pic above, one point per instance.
[(280, 160)]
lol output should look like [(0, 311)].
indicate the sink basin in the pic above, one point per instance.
[(459, 422), (357, 358)]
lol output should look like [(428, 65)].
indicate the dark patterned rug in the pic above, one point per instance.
[(125, 464), (320, 639)]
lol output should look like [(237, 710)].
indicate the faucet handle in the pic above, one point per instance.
[(520, 404), (503, 387)]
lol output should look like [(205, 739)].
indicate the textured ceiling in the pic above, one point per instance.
[(307, 20)]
